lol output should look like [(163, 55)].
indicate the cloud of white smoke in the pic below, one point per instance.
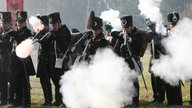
[(36, 24), (112, 16), (150, 9), (24, 49), (177, 64), (106, 82)]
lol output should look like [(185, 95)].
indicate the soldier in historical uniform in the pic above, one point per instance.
[(61, 39), (174, 93), (7, 35), (156, 50), (131, 49), (22, 68), (94, 37), (44, 63)]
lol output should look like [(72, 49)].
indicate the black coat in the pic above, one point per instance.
[(62, 37), (6, 40), (6, 45), (158, 47), (95, 43), (116, 45), (44, 55), (136, 45), (19, 65)]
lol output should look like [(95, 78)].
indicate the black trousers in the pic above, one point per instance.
[(4, 76), (47, 90), (136, 97), (3, 87), (12, 89), (158, 88), (174, 94), (56, 76), (22, 91)]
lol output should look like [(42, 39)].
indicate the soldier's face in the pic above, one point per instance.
[(21, 25), (46, 26), (5, 25), (56, 26), (128, 29), (153, 28), (171, 26), (96, 32)]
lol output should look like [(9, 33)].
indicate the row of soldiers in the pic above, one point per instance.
[(19, 79), (16, 70), (56, 49)]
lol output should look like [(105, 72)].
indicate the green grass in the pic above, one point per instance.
[(145, 96)]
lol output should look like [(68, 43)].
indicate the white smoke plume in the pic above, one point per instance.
[(24, 49), (112, 16), (177, 64), (107, 4), (36, 24), (150, 9), (106, 82)]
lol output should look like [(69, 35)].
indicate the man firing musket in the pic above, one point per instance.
[(132, 46), (173, 93), (156, 50), (94, 38)]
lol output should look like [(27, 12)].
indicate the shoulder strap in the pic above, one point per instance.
[(55, 49)]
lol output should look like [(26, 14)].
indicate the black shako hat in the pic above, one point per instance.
[(173, 18), (54, 18), (126, 21), (94, 22), (44, 19), (149, 23), (5, 17), (21, 16), (74, 30)]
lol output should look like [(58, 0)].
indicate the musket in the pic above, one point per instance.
[(47, 34), (153, 56), (136, 64), (83, 55), (5, 33), (35, 35), (74, 45)]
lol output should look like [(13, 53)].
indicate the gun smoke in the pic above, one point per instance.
[(151, 9), (105, 82), (36, 24), (177, 64), (24, 49), (112, 16)]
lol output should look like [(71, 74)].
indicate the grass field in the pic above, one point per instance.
[(145, 96)]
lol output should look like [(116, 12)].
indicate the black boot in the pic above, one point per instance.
[(47, 91), (27, 96)]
